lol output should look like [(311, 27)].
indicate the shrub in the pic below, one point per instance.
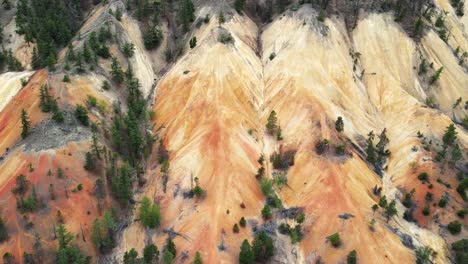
[(424, 255), (196, 260), (322, 146), (461, 251), (339, 125), (150, 214), (105, 85), (266, 212), (450, 135), (150, 254), (225, 38), (423, 177), (235, 228), (272, 56), (352, 257), (426, 210), (246, 255), (436, 76), (300, 219), (266, 186), (66, 78), (443, 202), (454, 227), (82, 114), (335, 240), (463, 188), (242, 222), (128, 49), (262, 247), (3, 231), (461, 213), (193, 42), (152, 38)]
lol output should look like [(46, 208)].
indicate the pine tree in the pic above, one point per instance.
[(246, 255), (198, 258), (262, 247), (26, 124), (150, 254), (150, 214), (450, 135), (339, 125), (272, 123), (239, 5), (370, 149), (390, 210), (3, 231), (116, 71)]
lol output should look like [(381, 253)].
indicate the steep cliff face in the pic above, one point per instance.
[(211, 107)]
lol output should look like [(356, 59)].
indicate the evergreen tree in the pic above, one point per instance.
[(339, 125), (130, 257), (390, 210), (239, 5), (193, 42), (103, 233), (168, 257), (82, 114), (188, 13), (246, 255), (116, 71), (150, 214), (370, 149), (272, 123), (150, 254), (262, 247), (118, 14), (152, 38), (450, 135), (67, 253), (171, 247), (198, 258), (6, 4), (3, 231), (26, 124), (122, 184), (352, 257)]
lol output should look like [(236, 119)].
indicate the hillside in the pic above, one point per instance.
[(335, 131)]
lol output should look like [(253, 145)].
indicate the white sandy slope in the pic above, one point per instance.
[(10, 84)]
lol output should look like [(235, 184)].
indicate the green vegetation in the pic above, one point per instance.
[(266, 212), (225, 38), (21, 186), (436, 76), (335, 240), (82, 114), (246, 255), (339, 125), (390, 210), (426, 210), (150, 254), (443, 202), (262, 247), (152, 37), (461, 251), (25, 124), (458, 5), (122, 183), (272, 123), (193, 42), (3, 231), (187, 13), (150, 214), (235, 228), (197, 259), (67, 253), (66, 78), (454, 227), (352, 257), (450, 135), (423, 177), (103, 233), (266, 186), (239, 5), (425, 255), (128, 49), (463, 188), (242, 222), (50, 24)]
